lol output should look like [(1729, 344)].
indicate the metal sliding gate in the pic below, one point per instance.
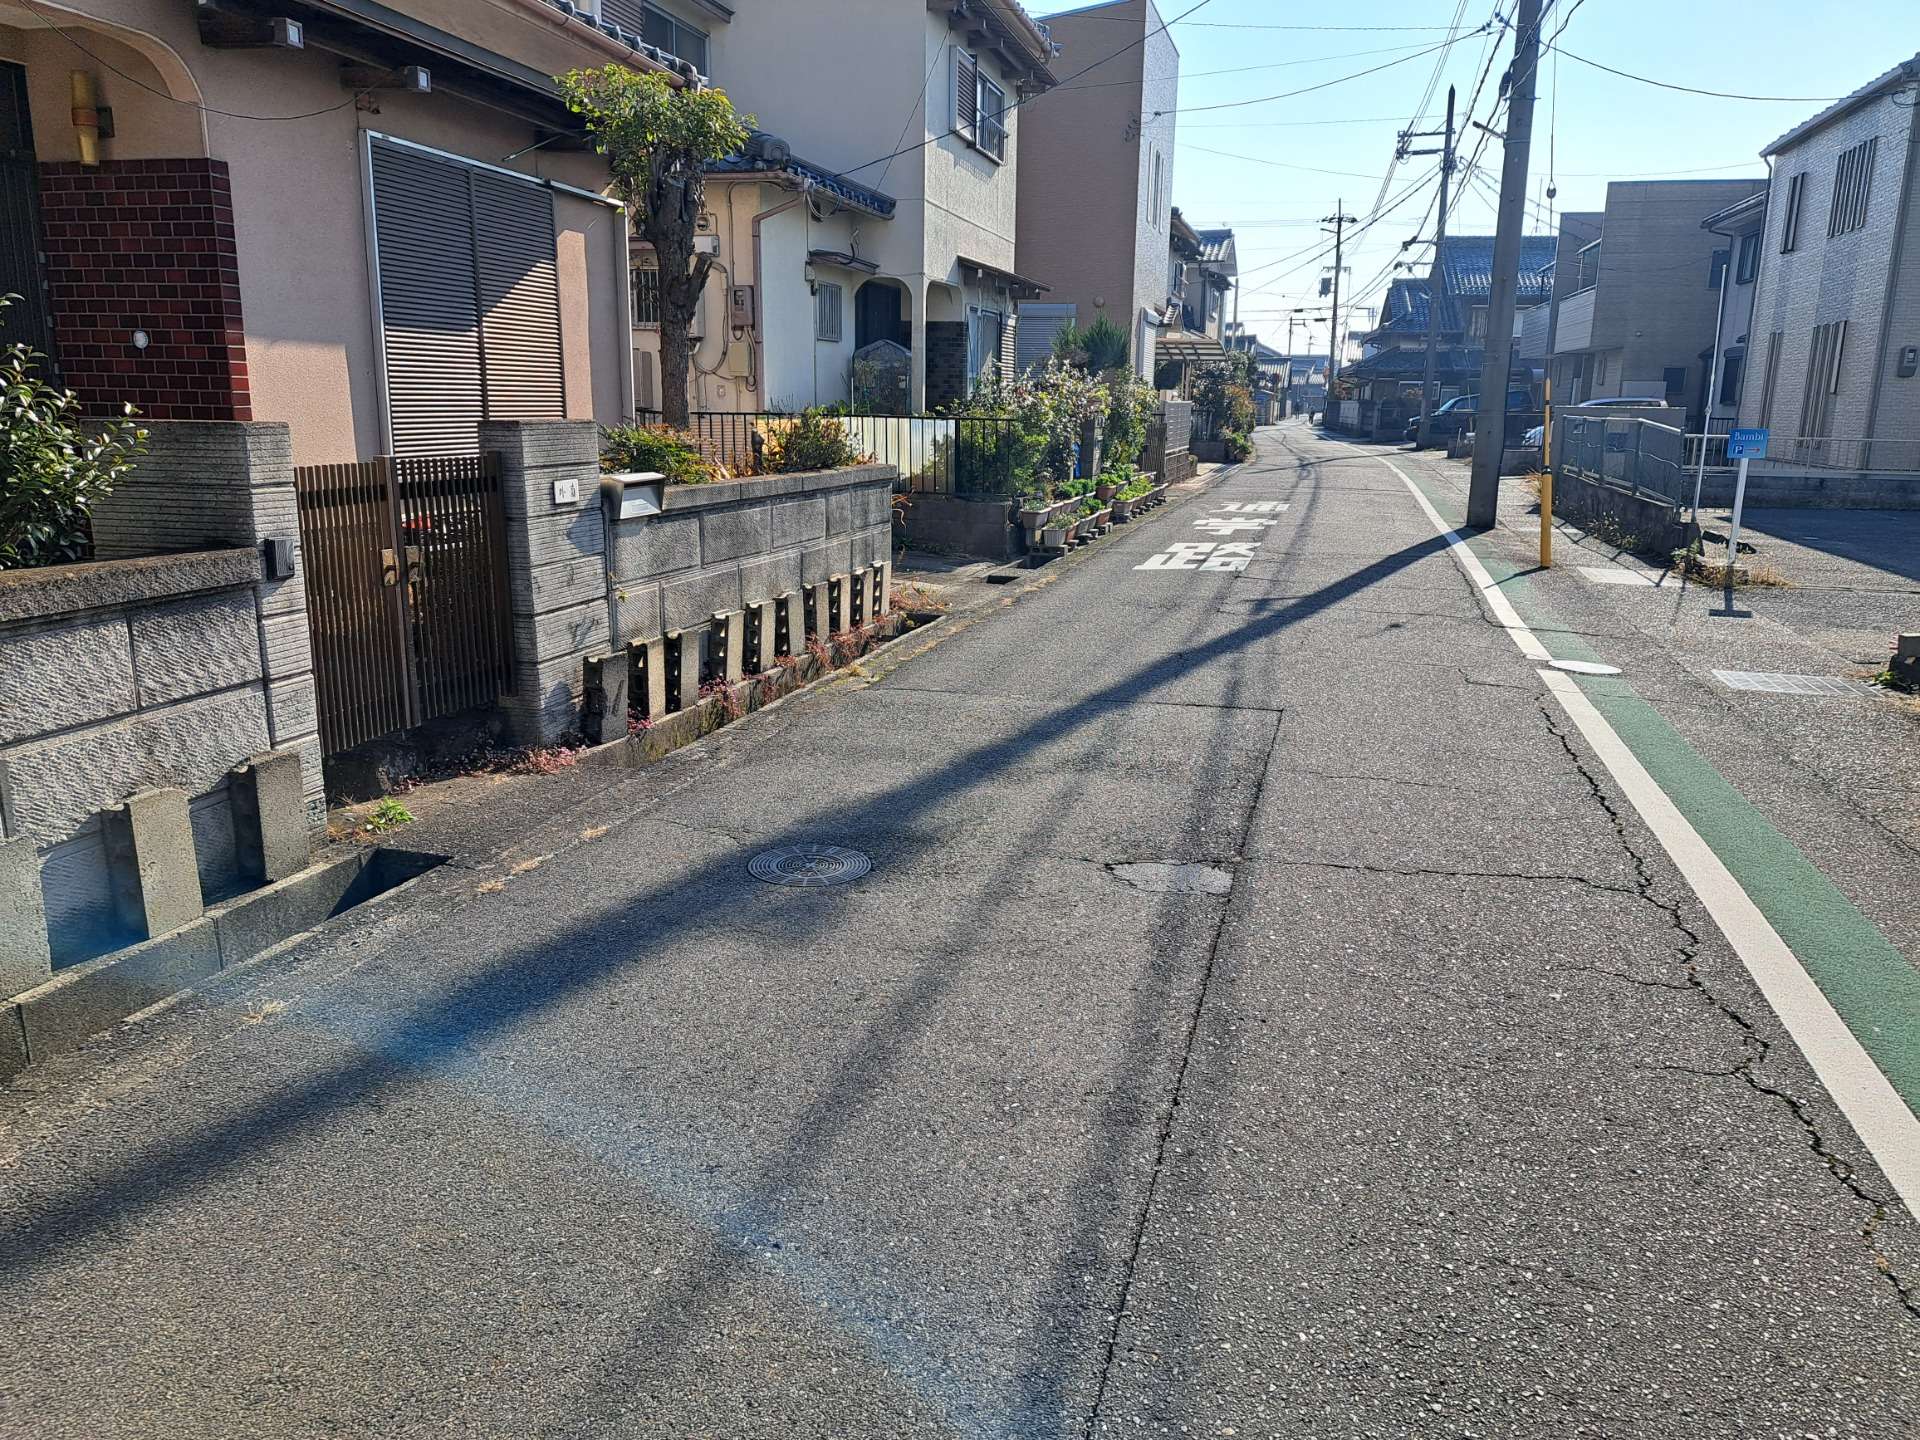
[(405, 565)]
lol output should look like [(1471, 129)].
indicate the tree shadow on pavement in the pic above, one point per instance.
[(530, 980)]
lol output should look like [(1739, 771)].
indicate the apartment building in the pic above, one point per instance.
[(1738, 262), (376, 223), (875, 207), (1835, 331), (1637, 302), (1096, 178)]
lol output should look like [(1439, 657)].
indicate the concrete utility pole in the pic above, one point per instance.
[(1429, 371), (1339, 220), (1490, 423)]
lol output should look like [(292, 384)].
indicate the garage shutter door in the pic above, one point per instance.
[(469, 300)]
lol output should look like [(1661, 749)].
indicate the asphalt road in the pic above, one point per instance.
[(1453, 1114)]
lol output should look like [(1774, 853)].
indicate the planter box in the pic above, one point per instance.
[(1105, 492)]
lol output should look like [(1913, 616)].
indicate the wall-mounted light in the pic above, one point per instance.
[(86, 116), (141, 339)]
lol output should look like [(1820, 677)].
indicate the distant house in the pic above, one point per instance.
[(1453, 300), (1096, 181), (1194, 311), (1836, 312), (1636, 309), (1741, 225), (828, 243)]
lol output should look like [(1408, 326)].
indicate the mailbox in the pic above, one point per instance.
[(632, 496)]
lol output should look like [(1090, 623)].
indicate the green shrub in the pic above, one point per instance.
[(815, 441), (1238, 446), (1135, 488), (659, 448), (52, 472)]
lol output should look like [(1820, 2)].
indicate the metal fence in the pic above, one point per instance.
[(406, 591), (1635, 455), (945, 454), (1861, 453)]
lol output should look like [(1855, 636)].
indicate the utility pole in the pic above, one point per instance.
[(1428, 390), (1490, 423), (1339, 220)]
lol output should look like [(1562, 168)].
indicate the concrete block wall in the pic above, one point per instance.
[(718, 548), (216, 484), (118, 677), (556, 568)]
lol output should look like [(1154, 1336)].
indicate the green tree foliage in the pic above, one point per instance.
[(658, 137), (52, 469), (1103, 345)]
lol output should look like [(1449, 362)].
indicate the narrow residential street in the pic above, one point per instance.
[(1265, 1016)]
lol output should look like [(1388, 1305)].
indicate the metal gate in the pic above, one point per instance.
[(406, 591)]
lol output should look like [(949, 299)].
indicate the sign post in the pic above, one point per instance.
[(1742, 445)]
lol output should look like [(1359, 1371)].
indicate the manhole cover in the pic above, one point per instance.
[(1773, 683), (809, 865)]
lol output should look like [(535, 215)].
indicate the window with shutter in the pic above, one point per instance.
[(992, 119), (966, 95), (827, 311), (469, 299), (1790, 222)]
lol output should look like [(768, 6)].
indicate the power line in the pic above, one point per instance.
[(1245, 69), (1021, 104), (1691, 90), (1279, 164), (108, 65), (1309, 89)]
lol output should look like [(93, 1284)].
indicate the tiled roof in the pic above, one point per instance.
[(1215, 245), (1905, 73), (626, 37), (861, 197), (1405, 311), (1410, 364), (1465, 269)]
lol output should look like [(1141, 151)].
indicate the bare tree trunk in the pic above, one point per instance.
[(670, 226)]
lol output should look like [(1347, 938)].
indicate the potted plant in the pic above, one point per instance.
[(1058, 534)]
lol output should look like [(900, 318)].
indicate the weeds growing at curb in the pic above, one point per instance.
[(389, 814)]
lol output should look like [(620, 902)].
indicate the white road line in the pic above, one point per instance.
[(1865, 1096)]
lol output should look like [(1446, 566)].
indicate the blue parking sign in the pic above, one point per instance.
[(1747, 444)]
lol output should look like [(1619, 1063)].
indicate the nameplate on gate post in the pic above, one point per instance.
[(1747, 444)]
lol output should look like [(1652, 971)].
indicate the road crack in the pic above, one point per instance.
[(1756, 1047)]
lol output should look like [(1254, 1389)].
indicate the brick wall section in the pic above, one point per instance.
[(946, 362), (146, 245)]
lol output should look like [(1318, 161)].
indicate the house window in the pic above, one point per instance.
[(827, 302), (646, 291), (1730, 380), (1749, 263), (1158, 178), (984, 328), (1823, 377), (1477, 323), (1589, 275), (979, 107), (1852, 181), (1717, 269), (1674, 381), (1771, 381), (1600, 368), (1790, 224), (659, 29)]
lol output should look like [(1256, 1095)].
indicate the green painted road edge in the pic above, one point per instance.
[(1866, 979)]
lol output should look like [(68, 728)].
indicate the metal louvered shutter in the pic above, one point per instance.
[(519, 300), (966, 94), (423, 225), (469, 300)]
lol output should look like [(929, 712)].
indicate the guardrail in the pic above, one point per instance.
[(1814, 452), (1635, 455)]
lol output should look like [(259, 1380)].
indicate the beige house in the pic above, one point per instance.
[(1096, 181), (879, 207), (372, 222)]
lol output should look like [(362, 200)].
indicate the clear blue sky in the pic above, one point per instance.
[(1589, 126)]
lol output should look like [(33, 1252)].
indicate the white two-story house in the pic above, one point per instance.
[(876, 203)]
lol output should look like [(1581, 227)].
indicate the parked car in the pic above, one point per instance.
[(1636, 402), (1456, 415)]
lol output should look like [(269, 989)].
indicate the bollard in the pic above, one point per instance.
[(1546, 519)]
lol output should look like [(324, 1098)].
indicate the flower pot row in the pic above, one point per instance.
[(1124, 510)]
